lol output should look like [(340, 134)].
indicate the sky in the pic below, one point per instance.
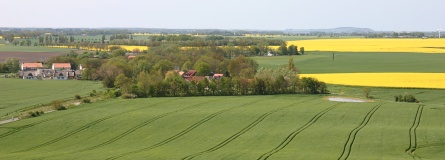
[(380, 15)]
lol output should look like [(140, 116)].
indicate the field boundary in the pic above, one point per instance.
[(187, 130), (241, 132), (347, 148), (291, 136), (412, 132)]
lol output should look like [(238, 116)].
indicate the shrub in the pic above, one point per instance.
[(113, 93), (366, 92), (93, 93), (35, 114), (86, 100), (58, 105), (311, 85), (78, 96), (406, 98), (128, 96)]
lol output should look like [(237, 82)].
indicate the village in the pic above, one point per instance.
[(64, 71), (58, 71)]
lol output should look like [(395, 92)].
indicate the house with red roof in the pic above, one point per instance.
[(190, 73), (61, 66), (31, 66)]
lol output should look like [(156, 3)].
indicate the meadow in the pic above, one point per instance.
[(18, 95), (250, 127)]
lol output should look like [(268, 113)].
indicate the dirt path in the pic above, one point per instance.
[(345, 99), (9, 121)]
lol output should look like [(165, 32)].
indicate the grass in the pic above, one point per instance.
[(359, 62), (19, 94), (250, 127)]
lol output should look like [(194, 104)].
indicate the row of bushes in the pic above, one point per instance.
[(406, 98), (35, 114)]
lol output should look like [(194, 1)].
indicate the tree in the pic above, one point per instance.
[(12, 65), (163, 66), (186, 66), (247, 73), (283, 49), (123, 82), (366, 92), (311, 85), (293, 50), (240, 63), (8, 37), (302, 50), (202, 68), (118, 52), (103, 38), (143, 84), (41, 40), (291, 65)]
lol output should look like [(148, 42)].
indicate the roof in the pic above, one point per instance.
[(131, 57), (62, 65), (218, 75), (32, 65), (190, 73)]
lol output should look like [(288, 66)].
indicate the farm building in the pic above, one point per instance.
[(61, 66), (30, 66)]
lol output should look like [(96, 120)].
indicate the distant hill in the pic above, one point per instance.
[(332, 30)]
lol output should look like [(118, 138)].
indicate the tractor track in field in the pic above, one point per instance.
[(18, 129), (131, 130), (291, 136), (351, 138), (73, 132), (187, 130), (412, 132), (241, 132)]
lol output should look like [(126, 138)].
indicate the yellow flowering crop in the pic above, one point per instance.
[(399, 80), (131, 48), (373, 45)]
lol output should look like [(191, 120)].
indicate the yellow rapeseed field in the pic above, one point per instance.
[(131, 48), (373, 45), (399, 80)]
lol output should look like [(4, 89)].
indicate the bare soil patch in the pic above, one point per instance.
[(347, 99), (28, 56)]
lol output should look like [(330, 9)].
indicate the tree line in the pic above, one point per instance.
[(156, 73)]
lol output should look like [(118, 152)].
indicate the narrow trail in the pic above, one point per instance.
[(412, 132), (291, 136), (347, 148), (185, 131), (241, 132)]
